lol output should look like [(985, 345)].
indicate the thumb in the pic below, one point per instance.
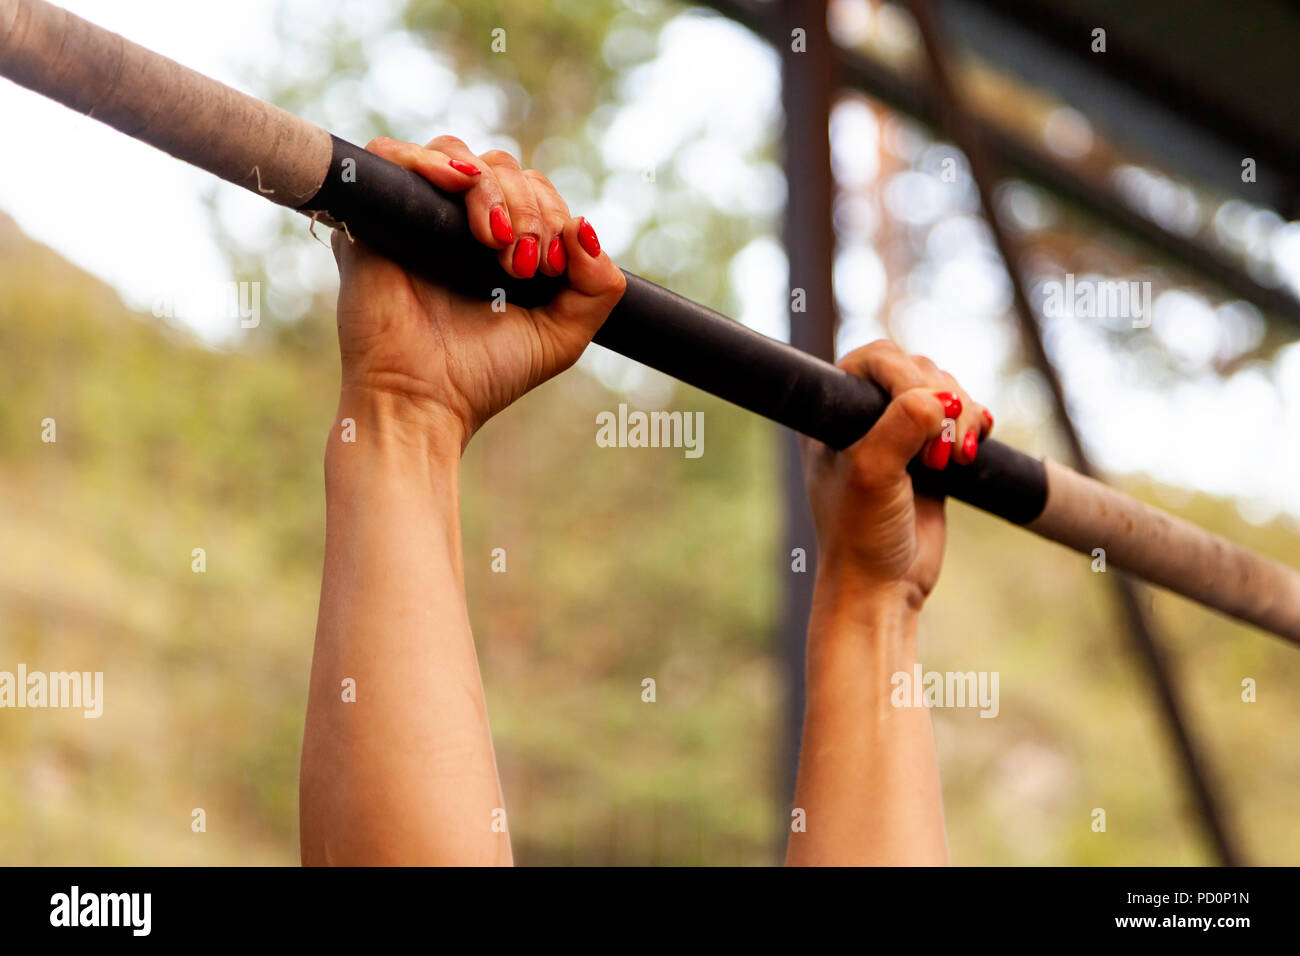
[(911, 419), (595, 284)]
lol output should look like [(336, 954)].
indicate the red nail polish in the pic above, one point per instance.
[(951, 403), (587, 238), (970, 445), (525, 260), (988, 421), (502, 231), (555, 257), (936, 452), (469, 169)]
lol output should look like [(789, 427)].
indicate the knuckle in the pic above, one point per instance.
[(527, 217), (499, 157), (539, 178), (852, 361), (485, 192), (904, 372), (384, 146), (921, 409), (447, 143)]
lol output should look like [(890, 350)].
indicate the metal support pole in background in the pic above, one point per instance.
[(809, 81), (1097, 199)]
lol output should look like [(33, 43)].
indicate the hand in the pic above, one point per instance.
[(451, 358), (873, 531)]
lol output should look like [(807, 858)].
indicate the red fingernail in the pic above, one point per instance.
[(951, 403), (467, 168), (936, 453), (525, 260), (587, 238), (555, 257), (970, 445), (988, 421), (502, 231)]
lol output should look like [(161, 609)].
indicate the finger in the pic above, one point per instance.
[(454, 147), (482, 191), (884, 363), (520, 258), (555, 215), (967, 421), (459, 156), (911, 422), (444, 171), (981, 427), (485, 200), (926, 364), (964, 412), (595, 283)]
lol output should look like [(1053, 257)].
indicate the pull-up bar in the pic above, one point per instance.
[(297, 164)]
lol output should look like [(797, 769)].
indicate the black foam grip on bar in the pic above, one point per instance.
[(405, 217)]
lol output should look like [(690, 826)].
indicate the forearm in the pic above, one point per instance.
[(397, 763), (868, 772)]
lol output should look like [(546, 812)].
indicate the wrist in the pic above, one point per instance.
[(377, 427), (843, 584), (392, 485), (861, 628)]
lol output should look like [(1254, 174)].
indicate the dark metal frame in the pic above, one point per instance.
[(808, 96), (1015, 156)]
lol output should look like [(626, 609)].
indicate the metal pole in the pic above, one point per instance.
[(1096, 198), (1141, 627), (809, 81)]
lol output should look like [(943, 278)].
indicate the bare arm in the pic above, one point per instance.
[(397, 759), (868, 774), (397, 764)]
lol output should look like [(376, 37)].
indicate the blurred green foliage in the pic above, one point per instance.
[(621, 565)]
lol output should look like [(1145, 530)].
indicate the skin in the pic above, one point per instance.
[(868, 778), (397, 761), (406, 773)]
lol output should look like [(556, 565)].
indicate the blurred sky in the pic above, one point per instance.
[(136, 219)]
